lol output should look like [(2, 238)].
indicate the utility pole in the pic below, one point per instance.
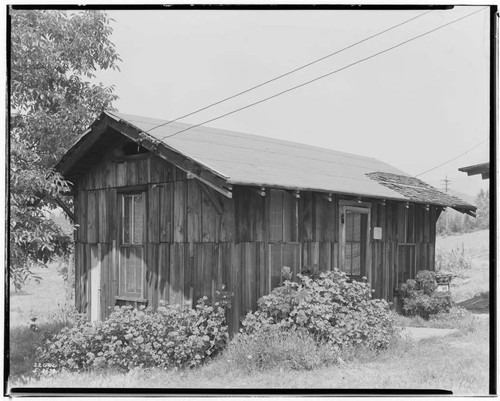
[(446, 185), (446, 182)]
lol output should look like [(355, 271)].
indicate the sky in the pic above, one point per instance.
[(414, 107)]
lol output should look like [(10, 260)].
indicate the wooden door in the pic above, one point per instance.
[(354, 241)]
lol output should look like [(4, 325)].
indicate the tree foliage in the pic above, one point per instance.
[(53, 98), (460, 223)]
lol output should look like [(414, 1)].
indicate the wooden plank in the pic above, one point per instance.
[(113, 214), (383, 216), (239, 217), (325, 256), (386, 275), (82, 229), (109, 174), (290, 223), (257, 216), (114, 270), (197, 273), (331, 231), (189, 275), (416, 255), (392, 222), (157, 169), (319, 217), (78, 275), (207, 250), (401, 223), (166, 212), (121, 174), (261, 267), (86, 280), (236, 284), (209, 220), (227, 229), (305, 214), (291, 257), (98, 175), (103, 259), (92, 218), (414, 225), (427, 225), (76, 211), (143, 168), (132, 173), (212, 196), (242, 214), (180, 208), (310, 255), (152, 274), (314, 255), (103, 215), (176, 273), (163, 271), (225, 267), (335, 255), (153, 214), (432, 224), (432, 256)]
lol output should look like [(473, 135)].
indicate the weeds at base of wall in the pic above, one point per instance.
[(273, 347)]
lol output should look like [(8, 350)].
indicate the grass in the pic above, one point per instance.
[(474, 247), (23, 344), (39, 300), (457, 362)]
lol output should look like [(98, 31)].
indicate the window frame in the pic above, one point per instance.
[(364, 208), (122, 293)]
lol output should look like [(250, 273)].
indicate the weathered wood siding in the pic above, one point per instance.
[(197, 240)]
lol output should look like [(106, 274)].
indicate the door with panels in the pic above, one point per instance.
[(354, 239)]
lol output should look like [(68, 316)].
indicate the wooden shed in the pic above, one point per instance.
[(170, 212)]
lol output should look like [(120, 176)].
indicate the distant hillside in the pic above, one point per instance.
[(461, 195)]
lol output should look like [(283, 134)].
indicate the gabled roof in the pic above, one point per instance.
[(235, 158)]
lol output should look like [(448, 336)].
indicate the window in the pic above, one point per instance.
[(354, 241), (131, 265)]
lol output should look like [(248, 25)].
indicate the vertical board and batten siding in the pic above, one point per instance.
[(193, 247)]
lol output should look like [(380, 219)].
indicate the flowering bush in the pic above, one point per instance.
[(171, 337), (329, 307), (420, 297)]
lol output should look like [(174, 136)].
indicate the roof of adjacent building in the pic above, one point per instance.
[(245, 159), (482, 168)]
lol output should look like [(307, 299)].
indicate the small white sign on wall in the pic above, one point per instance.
[(377, 233)]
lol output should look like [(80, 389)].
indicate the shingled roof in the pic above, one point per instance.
[(243, 159), (418, 191)]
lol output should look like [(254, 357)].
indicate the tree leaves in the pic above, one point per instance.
[(54, 57)]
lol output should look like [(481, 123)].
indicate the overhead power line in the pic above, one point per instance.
[(291, 71), (320, 77), (455, 158)]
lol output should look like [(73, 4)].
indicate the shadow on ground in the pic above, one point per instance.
[(480, 303)]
